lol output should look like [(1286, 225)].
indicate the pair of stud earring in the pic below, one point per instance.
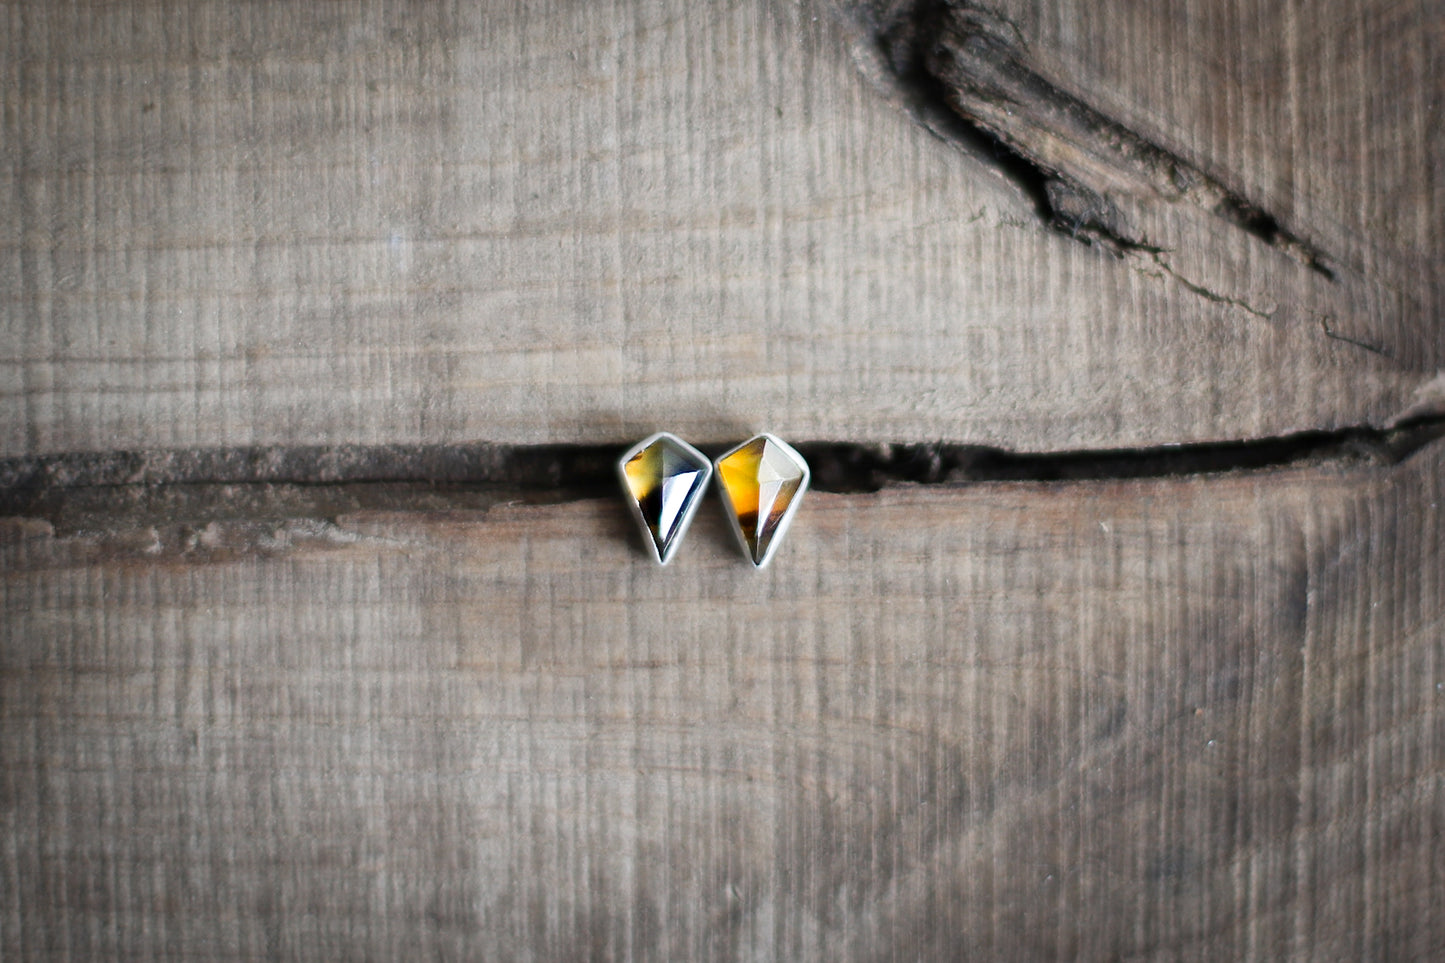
[(761, 481)]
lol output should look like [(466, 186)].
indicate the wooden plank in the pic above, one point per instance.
[(1189, 718), (1308, 113), (324, 224), (1194, 137)]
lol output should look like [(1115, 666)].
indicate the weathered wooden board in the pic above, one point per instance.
[(230, 224), (1183, 719), (1325, 116), (1193, 138)]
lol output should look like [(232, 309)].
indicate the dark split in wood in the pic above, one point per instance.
[(425, 477), (966, 72)]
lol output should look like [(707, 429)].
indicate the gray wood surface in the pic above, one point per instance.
[(318, 224), (323, 701), (1177, 719)]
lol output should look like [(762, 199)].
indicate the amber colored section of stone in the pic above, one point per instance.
[(761, 480), (664, 480)]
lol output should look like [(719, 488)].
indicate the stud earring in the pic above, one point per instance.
[(762, 483), (664, 478)]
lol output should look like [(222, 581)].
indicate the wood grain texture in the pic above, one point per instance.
[(1191, 138), (1192, 718), (232, 224), (1271, 98), (1167, 719)]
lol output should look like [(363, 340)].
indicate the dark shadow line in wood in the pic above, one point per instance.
[(588, 470), (853, 468), (964, 70)]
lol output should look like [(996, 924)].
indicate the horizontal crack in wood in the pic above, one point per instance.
[(584, 470), (848, 468), (213, 503)]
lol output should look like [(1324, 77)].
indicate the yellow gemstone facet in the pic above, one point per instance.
[(763, 481), (665, 478)]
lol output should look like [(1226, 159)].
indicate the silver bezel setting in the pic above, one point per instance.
[(689, 510), (785, 521)]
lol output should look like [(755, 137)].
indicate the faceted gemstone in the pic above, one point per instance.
[(763, 479), (665, 480)]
